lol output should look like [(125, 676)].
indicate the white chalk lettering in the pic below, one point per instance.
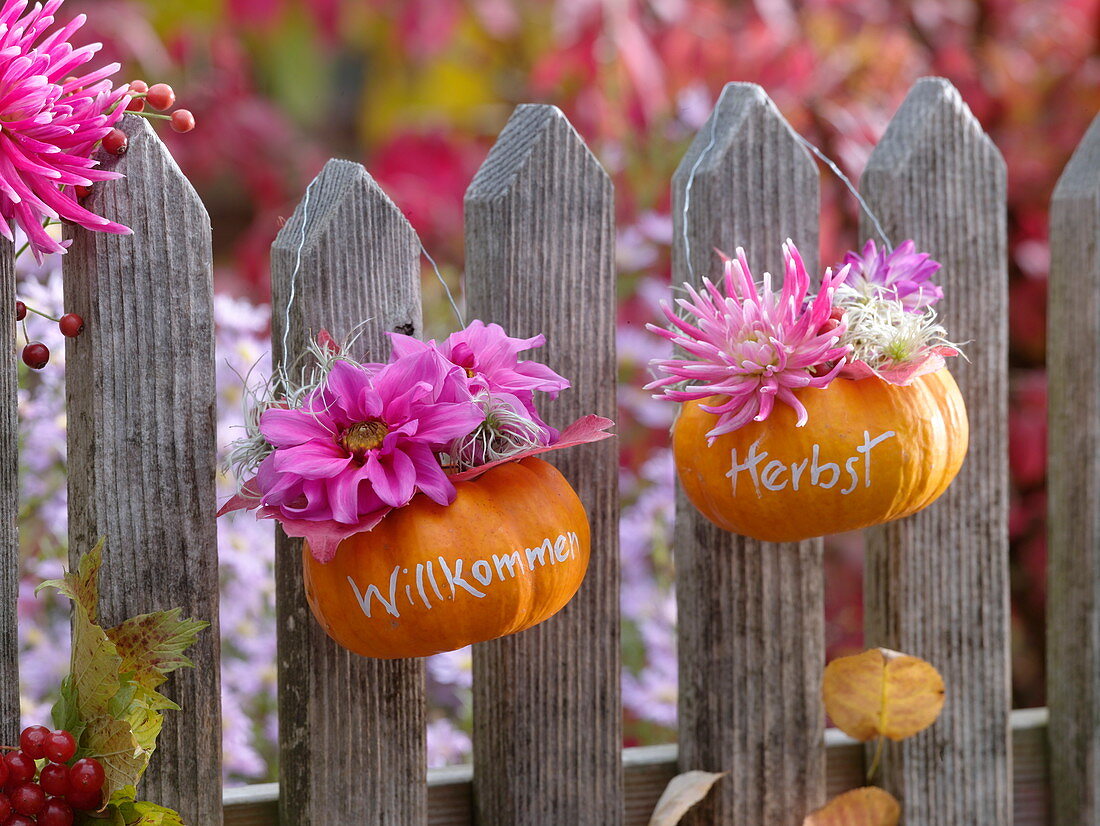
[(487, 572), (372, 591), (772, 476), (750, 464), (772, 471)]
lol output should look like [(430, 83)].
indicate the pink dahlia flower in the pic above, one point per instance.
[(902, 274), (53, 116), (490, 359), (366, 440), (753, 346)]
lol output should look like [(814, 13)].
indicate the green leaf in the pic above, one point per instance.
[(112, 743), (144, 813), (81, 587), (152, 645), (95, 667)]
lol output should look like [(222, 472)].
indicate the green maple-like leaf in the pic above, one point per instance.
[(81, 587), (112, 742), (109, 700), (152, 645)]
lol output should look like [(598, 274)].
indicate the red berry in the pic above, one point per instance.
[(136, 105), (85, 801), (139, 86), (183, 120), (116, 142), (20, 767), (56, 813), (86, 775), (19, 820), (5, 806), (60, 745), (161, 96), (33, 741), (82, 191), (3, 773), (36, 355), (54, 778), (71, 326), (28, 798), (20, 310)]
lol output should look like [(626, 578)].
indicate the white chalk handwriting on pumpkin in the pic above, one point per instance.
[(776, 475), (482, 573)]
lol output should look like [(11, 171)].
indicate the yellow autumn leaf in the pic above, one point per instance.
[(869, 806), (882, 693)]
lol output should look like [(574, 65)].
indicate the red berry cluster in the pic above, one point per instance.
[(36, 354), (159, 96), (47, 796)]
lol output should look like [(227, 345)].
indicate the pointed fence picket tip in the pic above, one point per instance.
[(1081, 177), (918, 121), (739, 104), (511, 157), (338, 183), (145, 152), (746, 153)]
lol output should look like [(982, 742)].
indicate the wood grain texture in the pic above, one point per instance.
[(936, 584), (140, 397), (9, 503), (351, 729), (540, 259), (1073, 601), (751, 614), (647, 770)]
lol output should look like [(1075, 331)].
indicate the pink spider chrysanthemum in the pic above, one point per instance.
[(753, 346), (51, 119), (901, 274)]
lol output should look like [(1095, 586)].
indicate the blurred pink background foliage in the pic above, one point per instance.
[(417, 91)]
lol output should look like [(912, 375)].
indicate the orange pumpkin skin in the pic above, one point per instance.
[(518, 536), (848, 472)]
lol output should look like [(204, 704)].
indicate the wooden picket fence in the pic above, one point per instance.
[(540, 258)]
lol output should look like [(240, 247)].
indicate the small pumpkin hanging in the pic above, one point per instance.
[(429, 523), (805, 415)]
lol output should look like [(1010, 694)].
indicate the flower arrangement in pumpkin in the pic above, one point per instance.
[(813, 413), (428, 522)]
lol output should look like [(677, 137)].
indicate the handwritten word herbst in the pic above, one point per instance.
[(423, 582), (776, 475)]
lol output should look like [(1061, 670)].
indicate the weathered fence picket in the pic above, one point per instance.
[(936, 584), (751, 615), (540, 258), (351, 729), (141, 438), (1073, 479), (9, 503)]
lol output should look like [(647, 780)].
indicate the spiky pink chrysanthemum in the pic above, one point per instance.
[(751, 345), (901, 274), (51, 118)]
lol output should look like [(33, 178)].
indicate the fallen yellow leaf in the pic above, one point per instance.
[(882, 693), (869, 806)]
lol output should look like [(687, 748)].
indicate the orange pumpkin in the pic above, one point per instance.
[(870, 452), (508, 553)]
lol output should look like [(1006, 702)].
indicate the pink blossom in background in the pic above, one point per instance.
[(53, 118), (752, 346)]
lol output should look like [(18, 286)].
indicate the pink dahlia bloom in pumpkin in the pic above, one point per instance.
[(901, 274), (53, 114), (752, 346), (490, 360), (366, 440)]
